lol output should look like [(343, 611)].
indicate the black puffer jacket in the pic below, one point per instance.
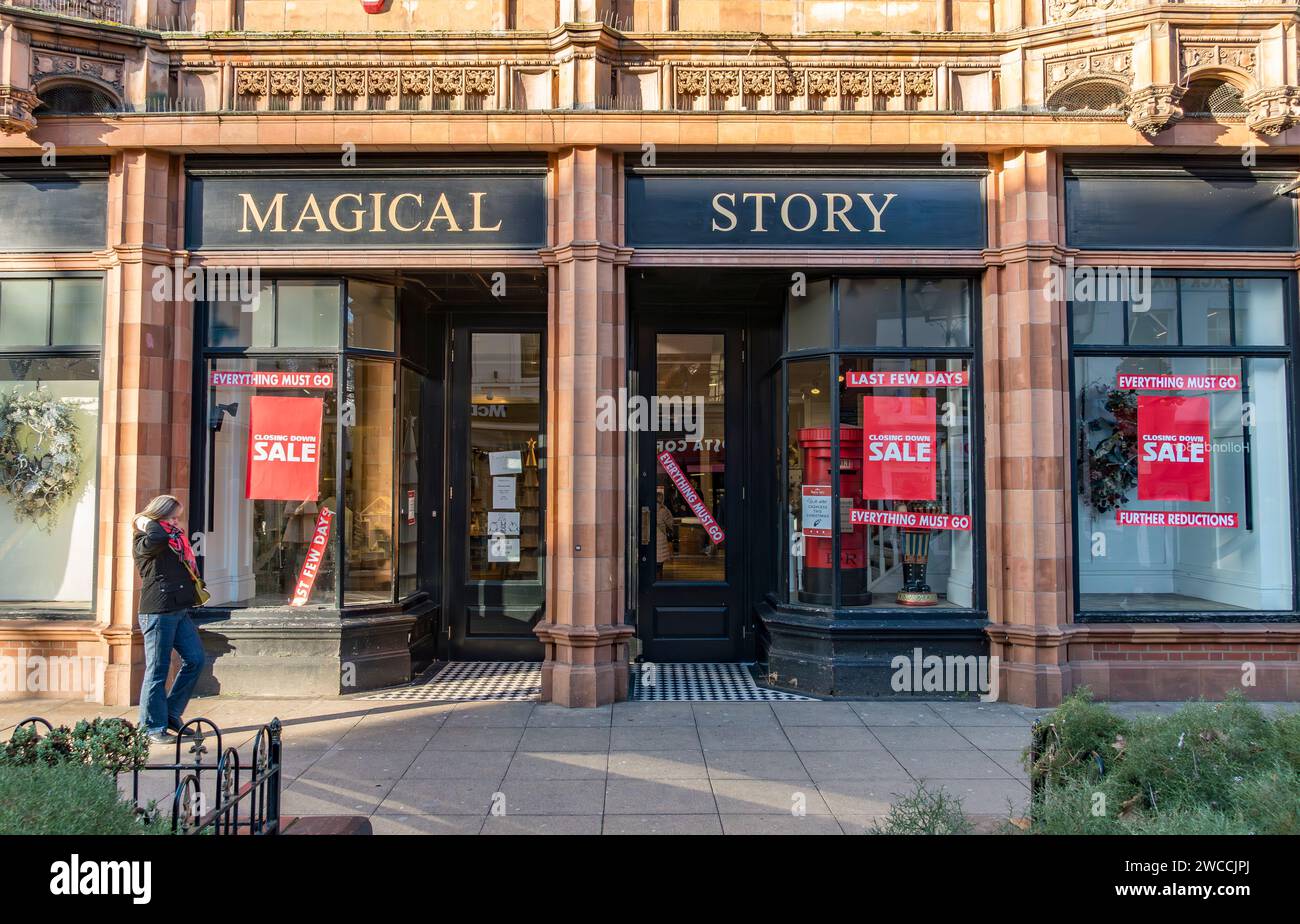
[(168, 586)]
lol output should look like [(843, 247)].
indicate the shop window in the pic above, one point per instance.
[(256, 546), (879, 501), (1183, 452), (302, 471), (50, 335), (408, 462)]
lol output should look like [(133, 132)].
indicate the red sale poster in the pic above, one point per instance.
[(1173, 448), (898, 448), (284, 448)]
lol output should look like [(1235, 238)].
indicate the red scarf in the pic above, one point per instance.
[(180, 544)]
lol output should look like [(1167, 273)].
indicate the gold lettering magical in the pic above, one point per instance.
[(800, 212), (350, 213)]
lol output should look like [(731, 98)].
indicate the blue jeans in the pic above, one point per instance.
[(163, 632)]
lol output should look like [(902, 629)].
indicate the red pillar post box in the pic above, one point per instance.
[(818, 575)]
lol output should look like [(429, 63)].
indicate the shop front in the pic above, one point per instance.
[(369, 452), (821, 510)]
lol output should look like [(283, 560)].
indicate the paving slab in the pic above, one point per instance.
[(657, 765), (334, 797), (921, 738), (460, 765), (557, 765), (1000, 738), (716, 714), (549, 715), (949, 765), (542, 824), (816, 713), (768, 797), (551, 738), (821, 738), (894, 713), (663, 824), (654, 738), (426, 824), (439, 797), (360, 765), (851, 765), (679, 714), (756, 765), (659, 797), (491, 715), (780, 824), (552, 797), (746, 737), (452, 738)]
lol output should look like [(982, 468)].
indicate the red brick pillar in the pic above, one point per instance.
[(583, 630), (1026, 414), (145, 424)]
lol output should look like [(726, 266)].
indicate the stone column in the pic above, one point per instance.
[(146, 371), (583, 632), (1026, 427)]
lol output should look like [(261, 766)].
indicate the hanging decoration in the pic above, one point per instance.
[(1108, 467), (40, 454)]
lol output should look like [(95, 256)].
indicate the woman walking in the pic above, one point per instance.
[(171, 586)]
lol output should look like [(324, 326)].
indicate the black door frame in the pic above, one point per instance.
[(459, 593), (735, 591)]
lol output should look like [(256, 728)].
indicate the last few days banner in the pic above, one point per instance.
[(284, 448), (898, 448), (1173, 448)]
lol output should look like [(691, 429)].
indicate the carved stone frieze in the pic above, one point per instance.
[(415, 83), (918, 83), (855, 84), (285, 83), (481, 80), (318, 82), (383, 81), (1153, 109), (350, 82), (48, 62), (1117, 64), (886, 83), (17, 106), (756, 82), (251, 83), (1273, 110), (448, 81), (1063, 10), (1198, 54), (789, 82), (692, 81), (823, 82), (724, 82)]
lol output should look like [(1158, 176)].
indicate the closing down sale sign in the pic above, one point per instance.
[(284, 448)]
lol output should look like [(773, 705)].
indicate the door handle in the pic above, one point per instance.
[(645, 525)]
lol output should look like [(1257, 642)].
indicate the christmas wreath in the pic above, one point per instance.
[(1107, 447), (40, 455)]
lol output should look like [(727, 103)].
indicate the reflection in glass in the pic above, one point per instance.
[(808, 497), (505, 528), (871, 312), (54, 564), (408, 469), (307, 313), (809, 323), (690, 367), (372, 315), (1154, 322), (24, 312), (368, 476), (78, 312)]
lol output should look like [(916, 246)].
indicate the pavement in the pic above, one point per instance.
[(630, 768)]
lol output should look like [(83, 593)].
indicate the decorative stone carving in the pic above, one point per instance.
[(692, 81), (350, 82), (1273, 110), (789, 82), (756, 82), (16, 108), (285, 83), (1117, 64), (448, 81), (725, 83), (1061, 10), (1212, 53), (1153, 109), (383, 82), (886, 83), (918, 83), (53, 61), (318, 82), (481, 80), (823, 83), (415, 83), (250, 83), (855, 84)]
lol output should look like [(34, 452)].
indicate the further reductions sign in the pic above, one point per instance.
[(898, 444), (1173, 448), (284, 448)]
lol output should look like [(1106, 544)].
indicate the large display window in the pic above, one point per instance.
[(312, 448), (880, 505), (51, 329), (1183, 466)]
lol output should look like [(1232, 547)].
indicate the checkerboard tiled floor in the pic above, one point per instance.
[(648, 767)]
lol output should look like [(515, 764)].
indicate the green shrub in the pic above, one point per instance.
[(110, 745), (1210, 768), (924, 812), (68, 798)]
